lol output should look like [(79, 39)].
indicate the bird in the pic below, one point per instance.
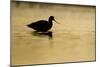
[(42, 25)]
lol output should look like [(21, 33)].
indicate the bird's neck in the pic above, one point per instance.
[(50, 21)]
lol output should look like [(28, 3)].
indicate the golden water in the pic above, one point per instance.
[(72, 40)]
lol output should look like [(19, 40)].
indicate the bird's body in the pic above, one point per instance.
[(42, 25)]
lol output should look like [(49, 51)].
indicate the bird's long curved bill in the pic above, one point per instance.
[(56, 22)]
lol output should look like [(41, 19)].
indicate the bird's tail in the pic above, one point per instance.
[(28, 25)]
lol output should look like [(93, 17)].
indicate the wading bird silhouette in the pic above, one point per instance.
[(42, 25)]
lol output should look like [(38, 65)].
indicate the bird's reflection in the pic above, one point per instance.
[(49, 34)]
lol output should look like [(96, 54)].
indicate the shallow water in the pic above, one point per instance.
[(72, 40)]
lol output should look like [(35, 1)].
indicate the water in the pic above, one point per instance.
[(72, 40)]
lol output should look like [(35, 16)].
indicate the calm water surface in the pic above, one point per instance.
[(72, 40)]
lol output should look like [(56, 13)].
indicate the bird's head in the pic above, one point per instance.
[(52, 18)]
